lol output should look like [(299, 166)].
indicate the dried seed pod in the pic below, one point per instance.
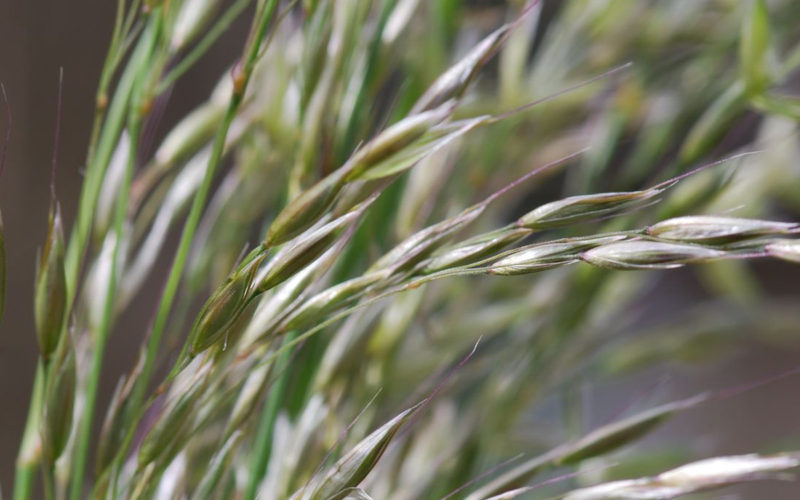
[(50, 301), (303, 250), (710, 229), (225, 306), (785, 249), (582, 208), (453, 82), (543, 256), (59, 405), (644, 254), (475, 249), (352, 468)]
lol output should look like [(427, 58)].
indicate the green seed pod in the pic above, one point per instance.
[(422, 244), (224, 307), (582, 208), (322, 304), (431, 141), (453, 82), (543, 256), (476, 249), (50, 301), (58, 410), (643, 254), (302, 212), (352, 468), (301, 252), (616, 434), (709, 229), (395, 139), (785, 249)]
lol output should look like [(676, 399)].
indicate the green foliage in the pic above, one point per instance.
[(387, 154)]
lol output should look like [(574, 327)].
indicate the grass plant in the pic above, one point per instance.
[(403, 227)]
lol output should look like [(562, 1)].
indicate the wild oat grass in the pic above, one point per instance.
[(337, 320)]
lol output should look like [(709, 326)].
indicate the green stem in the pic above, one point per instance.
[(27, 460), (96, 170), (49, 478), (104, 331), (241, 78), (202, 47), (263, 443)]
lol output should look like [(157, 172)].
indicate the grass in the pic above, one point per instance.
[(375, 282)]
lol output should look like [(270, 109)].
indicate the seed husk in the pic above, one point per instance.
[(224, 307), (709, 229), (785, 250), (643, 254), (352, 468), (50, 300), (576, 209), (59, 406), (543, 256)]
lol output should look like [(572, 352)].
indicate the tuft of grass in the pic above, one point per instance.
[(388, 155)]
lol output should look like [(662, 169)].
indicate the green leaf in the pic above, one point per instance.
[(753, 48)]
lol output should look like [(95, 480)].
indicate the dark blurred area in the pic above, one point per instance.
[(37, 37)]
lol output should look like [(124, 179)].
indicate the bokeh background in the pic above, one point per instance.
[(37, 37)]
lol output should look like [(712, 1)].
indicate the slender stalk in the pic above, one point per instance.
[(95, 172), (241, 77), (202, 47), (104, 331), (27, 461), (263, 443)]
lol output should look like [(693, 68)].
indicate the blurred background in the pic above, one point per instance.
[(37, 37)]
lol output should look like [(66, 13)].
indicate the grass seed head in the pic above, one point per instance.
[(351, 469), (475, 249), (304, 250), (644, 254), (58, 410), (543, 256), (223, 308), (50, 301), (576, 209), (785, 250), (709, 229), (302, 212)]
